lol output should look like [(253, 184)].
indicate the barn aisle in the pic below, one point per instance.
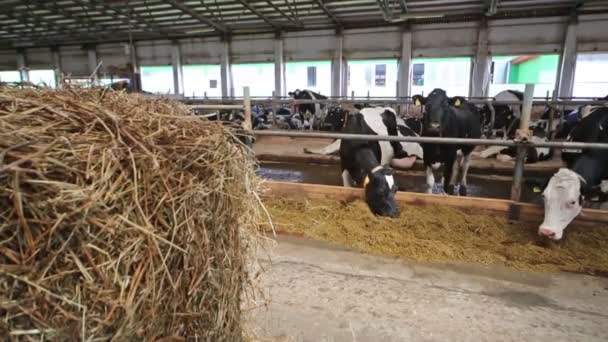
[(322, 293)]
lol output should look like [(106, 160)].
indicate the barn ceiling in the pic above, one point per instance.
[(25, 23)]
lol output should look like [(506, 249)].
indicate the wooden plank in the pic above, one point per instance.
[(528, 212)]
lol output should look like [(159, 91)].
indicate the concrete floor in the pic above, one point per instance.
[(322, 293)]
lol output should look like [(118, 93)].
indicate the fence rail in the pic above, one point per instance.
[(435, 140)]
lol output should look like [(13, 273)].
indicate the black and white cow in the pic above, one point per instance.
[(365, 163), (570, 187), (448, 118), (372, 115), (335, 119), (533, 154), (504, 115), (312, 113)]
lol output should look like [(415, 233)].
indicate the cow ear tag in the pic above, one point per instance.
[(457, 103), (536, 189), (366, 181), (418, 102)]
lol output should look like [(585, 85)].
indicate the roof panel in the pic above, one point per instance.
[(23, 22)]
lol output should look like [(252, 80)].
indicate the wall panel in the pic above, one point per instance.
[(201, 51)]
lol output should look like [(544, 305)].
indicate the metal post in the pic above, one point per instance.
[(225, 71), (247, 105), (57, 67), (278, 66), (551, 115), (352, 96), (522, 135), (405, 64), (568, 60), (275, 109), (481, 64), (92, 59), (176, 62), (337, 68), (22, 66)]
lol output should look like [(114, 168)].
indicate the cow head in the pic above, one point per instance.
[(380, 189), (296, 94), (436, 107), (336, 118), (563, 202)]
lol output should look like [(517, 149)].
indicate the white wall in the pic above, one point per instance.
[(362, 78), (296, 76), (453, 76), (259, 77), (591, 75), (198, 78)]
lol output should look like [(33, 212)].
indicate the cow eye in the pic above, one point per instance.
[(572, 203)]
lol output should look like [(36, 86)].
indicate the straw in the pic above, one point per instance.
[(122, 217)]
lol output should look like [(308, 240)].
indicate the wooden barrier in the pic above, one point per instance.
[(527, 212)]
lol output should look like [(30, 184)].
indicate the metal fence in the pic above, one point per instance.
[(521, 144)]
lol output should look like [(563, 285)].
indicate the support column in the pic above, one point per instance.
[(405, 65), (92, 63), (57, 67), (134, 69), (568, 60), (176, 62), (480, 81), (225, 69), (24, 73), (279, 75), (337, 68)]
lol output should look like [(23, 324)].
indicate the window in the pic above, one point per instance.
[(450, 74), (157, 79), (202, 79), (259, 77), (588, 82), (10, 76), (380, 75), (513, 72), (418, 74), (378, 78), (312, 76)]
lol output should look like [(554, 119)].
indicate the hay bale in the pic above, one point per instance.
[(121, 217)]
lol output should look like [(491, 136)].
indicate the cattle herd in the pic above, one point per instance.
[(369, 164)]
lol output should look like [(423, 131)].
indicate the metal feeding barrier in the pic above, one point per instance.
[(521, 141)]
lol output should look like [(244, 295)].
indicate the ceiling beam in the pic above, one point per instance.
[(329, 13), (492, 8), (258, 13), (196, 15), (291, 19), (127, 16), (403, 5)]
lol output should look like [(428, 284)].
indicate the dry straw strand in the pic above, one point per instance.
[(123, 217)]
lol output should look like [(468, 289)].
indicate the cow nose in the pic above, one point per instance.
[(547, 232)]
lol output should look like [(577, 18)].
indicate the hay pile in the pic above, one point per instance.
[(442, 234), (121, 217)]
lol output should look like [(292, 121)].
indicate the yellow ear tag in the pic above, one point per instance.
[(457, 103), (366, 181), (536, 188), (418, 102)]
